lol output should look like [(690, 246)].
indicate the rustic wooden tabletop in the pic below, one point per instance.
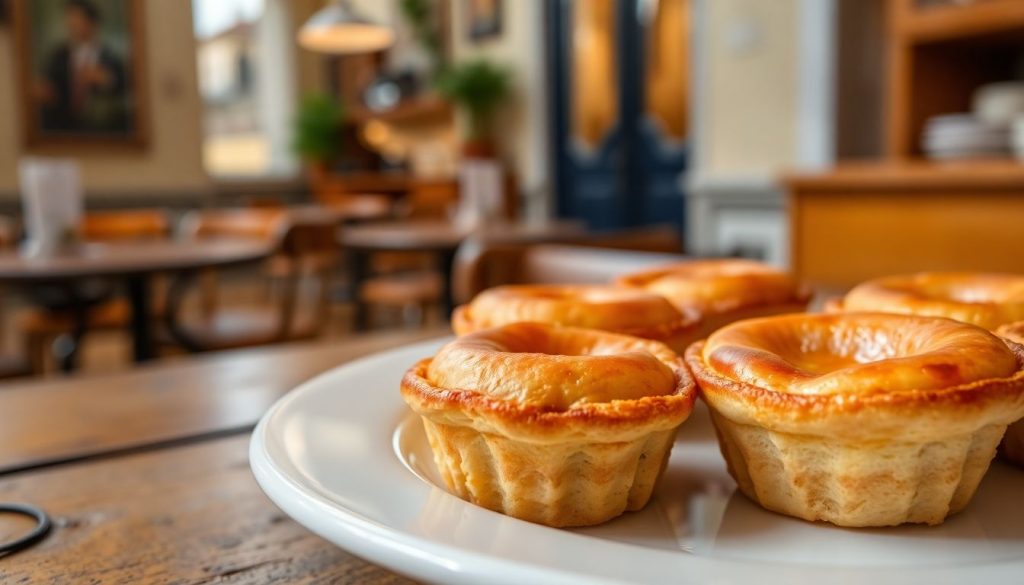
[(146, 473)]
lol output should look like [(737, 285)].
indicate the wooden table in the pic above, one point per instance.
[(442, 239), (146, 473), (135, 264), (353, 209)]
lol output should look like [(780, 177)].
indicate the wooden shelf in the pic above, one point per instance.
[(412, 111), (963, 21), (937, 58)]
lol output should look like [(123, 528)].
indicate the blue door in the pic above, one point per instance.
[(619, 109)]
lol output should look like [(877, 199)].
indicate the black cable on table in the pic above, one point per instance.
[(41, 529)]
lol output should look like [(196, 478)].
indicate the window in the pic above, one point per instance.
[(244, 52)]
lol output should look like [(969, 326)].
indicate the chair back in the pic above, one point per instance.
[(124, 225), (267, 224), (310, 248), (255, 222), (363, 207)]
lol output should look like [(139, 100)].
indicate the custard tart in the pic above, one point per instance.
[(610, 308), (555, 425), (985, 300), (723, 290), (859, 419)]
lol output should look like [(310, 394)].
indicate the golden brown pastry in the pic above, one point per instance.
[(610, 308), (859, 419), (555, 425), (985, 300), (1012, 331), (723, 290), (1012, 447)]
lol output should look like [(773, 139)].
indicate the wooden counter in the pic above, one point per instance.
[(861, 221)]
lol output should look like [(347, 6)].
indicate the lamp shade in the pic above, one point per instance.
[(338, 30)]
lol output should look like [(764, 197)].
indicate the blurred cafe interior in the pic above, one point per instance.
[(204, 204)]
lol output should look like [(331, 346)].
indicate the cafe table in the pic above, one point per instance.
[(357, 209), (145, 473), (133, 263), (442, 240)]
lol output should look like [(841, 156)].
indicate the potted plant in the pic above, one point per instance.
[(478, 87), (317, 138)]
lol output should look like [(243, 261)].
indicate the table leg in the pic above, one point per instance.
[(67, 346), (359, 272), (175, 296), (142, 332), (447, 295)]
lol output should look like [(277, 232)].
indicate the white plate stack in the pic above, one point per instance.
[(1017, 136), (957, 136), (989, 131)]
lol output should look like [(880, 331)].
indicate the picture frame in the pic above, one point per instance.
[(81, 74), (484, 19)]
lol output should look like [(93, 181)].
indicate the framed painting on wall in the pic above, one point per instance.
[(483, 19), (81, 74)]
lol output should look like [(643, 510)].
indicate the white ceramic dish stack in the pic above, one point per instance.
[(956, 136), (1017, 136), (998, 104), (988, 131)]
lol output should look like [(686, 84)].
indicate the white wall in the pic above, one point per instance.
[(523, 130), (763, 98), (172, 163)]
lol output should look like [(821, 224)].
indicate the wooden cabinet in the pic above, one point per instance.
[(904, 213), (864, 221)]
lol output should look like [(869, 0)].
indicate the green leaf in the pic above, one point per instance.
[(479, 86), (317, 128)]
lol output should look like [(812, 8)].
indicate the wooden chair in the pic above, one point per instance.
[(414, 292), (308, 249), (135, 224), (595, 258), (42, 326)]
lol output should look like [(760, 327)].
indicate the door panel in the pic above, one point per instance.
[(594, 74), (619, 109)]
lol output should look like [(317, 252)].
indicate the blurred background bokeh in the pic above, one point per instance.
[(396, 156)]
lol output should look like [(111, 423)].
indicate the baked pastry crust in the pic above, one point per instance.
[(983, 299), (723, 290), (872, 456), (1012, 331), (553, 464), (1012, 447), (986, 300), (609, 308)]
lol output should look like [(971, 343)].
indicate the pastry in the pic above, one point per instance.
[(723, 290), (555, 425), (610, 308), (1012, 447), (986, 300), (859, 419)]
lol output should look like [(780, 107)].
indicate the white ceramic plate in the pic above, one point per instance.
[(345, 458)]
